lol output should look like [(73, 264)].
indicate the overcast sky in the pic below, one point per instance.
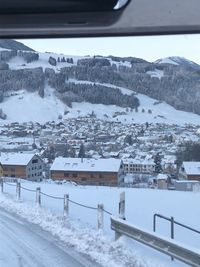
[(149, 48)]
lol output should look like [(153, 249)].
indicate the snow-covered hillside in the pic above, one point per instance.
[(22, 106), (178, 61)]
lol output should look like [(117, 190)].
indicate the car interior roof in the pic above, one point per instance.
[(92, 18)]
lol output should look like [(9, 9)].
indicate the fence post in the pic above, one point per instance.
[(38, 196), (100, 209), (154, 222), (122, 206), (172, 231), (18, 191), (66, 205), (1, 185)]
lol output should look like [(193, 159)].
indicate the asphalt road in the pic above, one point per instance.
[(23, 244)]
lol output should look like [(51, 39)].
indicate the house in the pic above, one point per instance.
[(87, 171), (146, 166), (21, 165), (186, 185), (190, 170)]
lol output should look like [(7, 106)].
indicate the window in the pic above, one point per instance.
[(74, 175), (35, 161), (66, 174)]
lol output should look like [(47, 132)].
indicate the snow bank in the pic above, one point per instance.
[(85, 240)]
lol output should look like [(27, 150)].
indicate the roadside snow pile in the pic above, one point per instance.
[(85, 240)]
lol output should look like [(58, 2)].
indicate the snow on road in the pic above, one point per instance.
[(23, 244)]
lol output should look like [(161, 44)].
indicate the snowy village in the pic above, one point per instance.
[(99, 163)]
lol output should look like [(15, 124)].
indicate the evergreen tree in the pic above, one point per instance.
[(157, 161), (81, 153), (128, 139)]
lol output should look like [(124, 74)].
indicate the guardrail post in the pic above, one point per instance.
[(1, 185), (122, 206), (38, 196), (100, 209), (18, 191), (66, 205), (172, 227)]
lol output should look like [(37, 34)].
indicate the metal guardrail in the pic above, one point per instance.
[(172, 222), (169, 248)]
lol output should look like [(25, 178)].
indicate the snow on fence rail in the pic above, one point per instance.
[(66, 200)]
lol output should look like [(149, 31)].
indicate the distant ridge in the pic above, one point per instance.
[(14, 45)]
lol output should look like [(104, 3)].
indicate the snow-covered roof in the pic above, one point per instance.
[(192, 167), (15, 158), (87, 165), (187, 182), (162, 176)]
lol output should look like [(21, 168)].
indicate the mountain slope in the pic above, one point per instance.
[(179, 61), (102, 82), (14, 45)]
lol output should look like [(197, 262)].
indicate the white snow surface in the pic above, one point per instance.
[(156, 73), (166, 61), (25, 107), (81, 232)]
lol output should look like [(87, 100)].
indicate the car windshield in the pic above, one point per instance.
[(100, 152)]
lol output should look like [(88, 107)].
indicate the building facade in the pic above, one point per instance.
[(20, 165), (138, 166), (87, 171)]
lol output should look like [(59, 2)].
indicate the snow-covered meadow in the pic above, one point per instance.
[(141, 204)]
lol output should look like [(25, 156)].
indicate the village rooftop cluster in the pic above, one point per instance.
[(88, 150)]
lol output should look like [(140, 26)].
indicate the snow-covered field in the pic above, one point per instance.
[(81, 232)]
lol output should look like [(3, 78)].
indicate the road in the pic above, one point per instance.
[(23, 244)]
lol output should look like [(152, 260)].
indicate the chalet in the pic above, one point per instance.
[(87, 171), (190, 170), (21, 165)]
